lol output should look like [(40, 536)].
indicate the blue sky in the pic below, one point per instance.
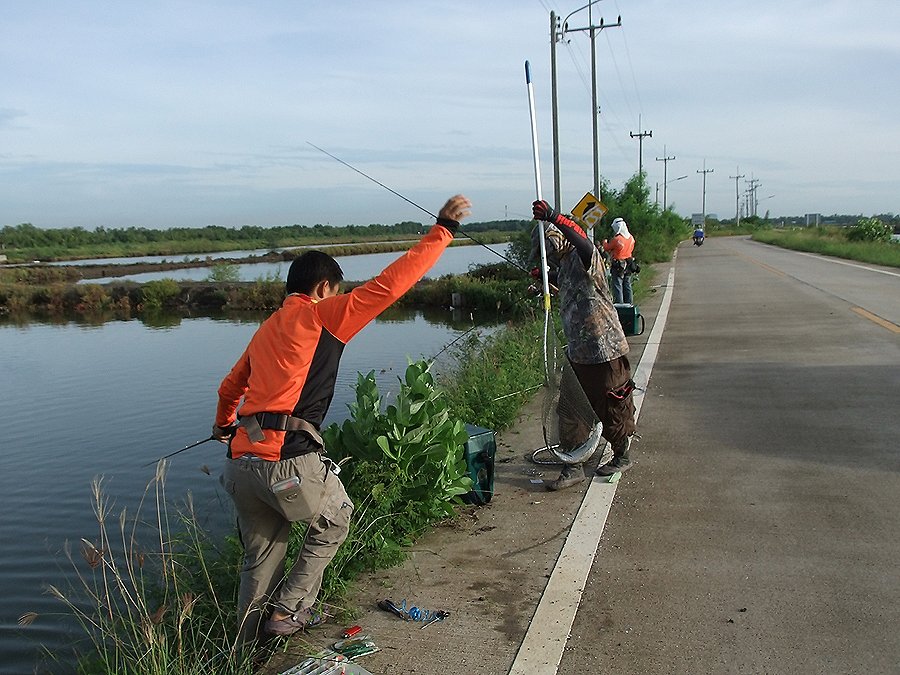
[(196, 113)]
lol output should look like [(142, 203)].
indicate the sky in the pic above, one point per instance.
[(196, 113)]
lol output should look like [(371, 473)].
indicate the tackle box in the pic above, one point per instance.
[(480, 450), (630, 317)]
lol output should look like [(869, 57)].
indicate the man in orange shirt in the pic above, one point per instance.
[(271, 407), (620, 250)]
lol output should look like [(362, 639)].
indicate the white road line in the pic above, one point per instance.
[(832, 260), (542, 648)]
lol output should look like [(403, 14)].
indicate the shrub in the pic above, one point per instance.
[(156, 295), (406, 470), (224, 272), (869, 229)]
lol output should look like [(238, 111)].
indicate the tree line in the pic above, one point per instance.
[(27, 236)]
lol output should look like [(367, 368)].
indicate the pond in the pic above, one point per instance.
[(87, 401), (454, 260)]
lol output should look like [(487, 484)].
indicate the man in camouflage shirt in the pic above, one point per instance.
[(597, 348)]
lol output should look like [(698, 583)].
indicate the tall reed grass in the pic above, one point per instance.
[(155, 594)]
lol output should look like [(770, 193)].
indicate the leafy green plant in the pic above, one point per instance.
[(404, 470), (869, 229), (158, 294)]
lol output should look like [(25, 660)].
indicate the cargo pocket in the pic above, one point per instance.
[(297, 487), (334, 523)]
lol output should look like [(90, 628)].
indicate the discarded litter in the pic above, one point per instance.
[(350, 632), (413, 613), (537, 481)]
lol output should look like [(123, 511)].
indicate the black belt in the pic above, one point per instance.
[(269, 420), (254, 424)]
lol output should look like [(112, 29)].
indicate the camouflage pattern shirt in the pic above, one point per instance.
[(589, 319)]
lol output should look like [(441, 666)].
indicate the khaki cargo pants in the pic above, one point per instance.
[(264, 520)]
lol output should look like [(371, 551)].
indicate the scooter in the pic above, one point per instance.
[(698, 237)]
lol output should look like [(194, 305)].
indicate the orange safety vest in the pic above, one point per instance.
[(291, 364), (619, 247)]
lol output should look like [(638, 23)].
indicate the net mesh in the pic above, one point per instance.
[(571, 428)]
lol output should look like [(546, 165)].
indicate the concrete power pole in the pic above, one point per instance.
[(754, 202), (640, 135), (554, 37), (737, 197), (592, 31), (665, 160), (704, 172)]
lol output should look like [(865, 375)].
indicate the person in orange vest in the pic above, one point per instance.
[(270, 411), (620, 249)]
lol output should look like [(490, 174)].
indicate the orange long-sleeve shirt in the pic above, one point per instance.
[(290, 366)]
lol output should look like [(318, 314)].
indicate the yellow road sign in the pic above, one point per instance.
[(589, 211)]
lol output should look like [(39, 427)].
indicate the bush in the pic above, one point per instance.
[(406, 470), (224, 272), (869, 229), (156, 295)]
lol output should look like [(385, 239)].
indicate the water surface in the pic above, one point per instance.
[(104, 400)]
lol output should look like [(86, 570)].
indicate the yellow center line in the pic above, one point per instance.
[(874, 318), (760, 264)]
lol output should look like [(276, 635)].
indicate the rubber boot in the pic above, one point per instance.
[(571, 474), (620, 461)]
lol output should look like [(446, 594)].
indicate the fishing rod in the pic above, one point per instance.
[(410, 201), (545, 281), (187, 447), (450, 344), (213, 438)]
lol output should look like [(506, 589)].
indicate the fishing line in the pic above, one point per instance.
[(410, 201), (187, 447)]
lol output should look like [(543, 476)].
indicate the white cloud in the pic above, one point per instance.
[(176, 113)]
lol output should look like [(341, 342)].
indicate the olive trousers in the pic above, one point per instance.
[(268, 497)]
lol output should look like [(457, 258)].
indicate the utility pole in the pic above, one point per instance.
[(704, 172), (737, 197), (555, 35), (640, 135), (665, 160), (754, 202), (592, 30)]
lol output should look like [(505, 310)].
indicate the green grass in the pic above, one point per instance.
[(831, 241)]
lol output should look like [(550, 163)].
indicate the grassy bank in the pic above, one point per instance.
[(833, 242)]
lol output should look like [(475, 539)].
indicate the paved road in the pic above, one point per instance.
[(760, 530)]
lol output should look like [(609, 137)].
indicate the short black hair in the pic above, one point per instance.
[(309, 269)]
